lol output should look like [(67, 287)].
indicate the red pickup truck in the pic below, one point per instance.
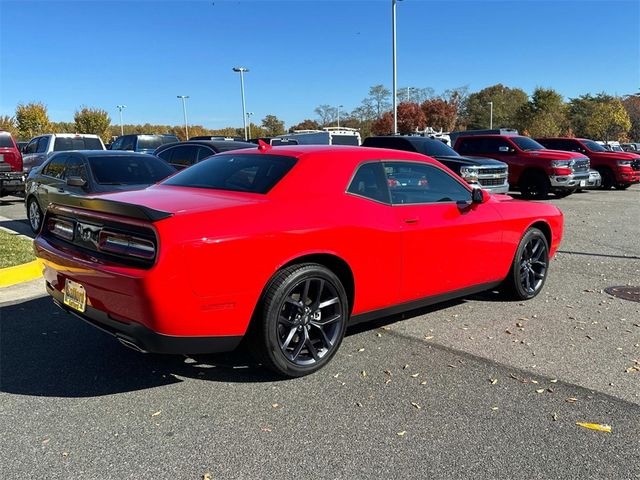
[(617, 169), (11, 176), (533, 169)]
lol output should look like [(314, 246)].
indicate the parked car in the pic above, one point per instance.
[(185, 154), (216, 137), (275, 141), (617, 169), (286, 245), (326, 136), (631, 147), (483, 172), (40, 148), (21, 145), (144, 143), (11, 176), (85, 172), (533, 169)]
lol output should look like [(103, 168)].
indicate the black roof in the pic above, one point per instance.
[(103, 153), (214, 144)]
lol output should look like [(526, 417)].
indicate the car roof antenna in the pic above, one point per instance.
[(263, 146)]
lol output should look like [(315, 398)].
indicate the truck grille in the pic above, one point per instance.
[(492, 176), (490, 182), (492, 171), (581, 166)]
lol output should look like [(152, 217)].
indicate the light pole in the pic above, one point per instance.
[(120, 108), (339, 107), (408, 94), (395, 87), (490, 115), (249, 122), (184, 110), (242, 70)]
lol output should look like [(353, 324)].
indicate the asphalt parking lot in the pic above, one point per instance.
[(475, 388)]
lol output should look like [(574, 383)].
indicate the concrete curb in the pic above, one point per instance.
[(20, 273)]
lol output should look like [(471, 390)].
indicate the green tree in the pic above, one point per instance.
[(632, 106), (608, 121), (8, 124), (62, 127), (32, 119), (507, 103), (545, 115), (273, 126), (93, 120)]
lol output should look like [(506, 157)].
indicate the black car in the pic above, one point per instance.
[(89, 171), (184, 154), (486, 173)]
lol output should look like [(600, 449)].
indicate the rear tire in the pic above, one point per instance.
[(529, 268), (34, 215), (300, 321), (535, 186)]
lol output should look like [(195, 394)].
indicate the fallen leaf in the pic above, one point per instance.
[(359, 404), (405, 367), (363, 373), (378, 334), (595, 426), (275, 405), (207, 476), (493, 381), (387, 381), (265, 429), (571, 400), (540, 390), (45, 441), (361, 350), (336, 375), (428, 337), (424, 382), (414, 375), (414, 404), (494, 408), (386, 328), (65, 454), (554, 380), (402, 433), (155, 414), (388, 372), (554, 417)]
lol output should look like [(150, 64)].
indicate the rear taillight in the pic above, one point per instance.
[(61, 228), (392, 182), (423, 182), (126, 245)]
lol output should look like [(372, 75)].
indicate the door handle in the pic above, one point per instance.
[(411, 220)]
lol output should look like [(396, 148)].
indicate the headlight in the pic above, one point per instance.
[(563, 163), (469, 173), (624, 163)]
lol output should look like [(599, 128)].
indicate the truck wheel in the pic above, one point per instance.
[(535, 186), (34, 215), (608, 180), (301, 320), (622, 186), (529, 267)]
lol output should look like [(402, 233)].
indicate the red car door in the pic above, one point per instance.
[(448, 243)]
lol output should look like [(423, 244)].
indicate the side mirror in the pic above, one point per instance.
[(76, 182), (504, 149), (479, 195)]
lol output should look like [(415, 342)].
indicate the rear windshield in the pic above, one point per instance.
[(238, 173), (151, 142), (77, 143), (344, 140), (5, 141), (129, 169), (526, 143)]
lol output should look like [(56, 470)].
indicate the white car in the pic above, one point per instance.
[(41, 147)]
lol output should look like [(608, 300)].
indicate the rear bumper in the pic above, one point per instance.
[(143, 339), (11, 182)]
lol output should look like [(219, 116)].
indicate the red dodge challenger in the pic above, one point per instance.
[(287, 246)]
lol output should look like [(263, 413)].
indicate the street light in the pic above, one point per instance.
[(242, 70), (395, 78), (120, 108), (490, 115), (339, 107), (184, 110), (249, 122)]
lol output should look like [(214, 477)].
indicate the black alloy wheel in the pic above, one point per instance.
[(535, 186), (34, 215), (529, 267), (304, 317)]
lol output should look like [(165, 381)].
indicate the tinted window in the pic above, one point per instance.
[(55, 168), (117, 145), (204, 152), (5, 141), (420, 183), (483, 145), (183, 156), (151, 142), (228, 146), (32, 146), (283, 141), (43, 143), (395, 143), (436, 148), (370, 182), (128, 169), (525, 143), (128, 143), (561, 144), (75, 168), (469, 145), (76, 143), (344, 140), (593, 146), (240, 173)]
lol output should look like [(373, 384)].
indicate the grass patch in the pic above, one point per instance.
[(14, 250)]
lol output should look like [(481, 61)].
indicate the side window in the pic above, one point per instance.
[(128, 143), (204, 152), (165, 154), (55, 168), (117, 145), (32, 146), (369, 181), (75, 168), (184, 156), (415, 183), (43, 142), (494, 145), (469, 145)]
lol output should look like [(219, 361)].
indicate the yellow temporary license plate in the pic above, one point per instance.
[(74, 295)]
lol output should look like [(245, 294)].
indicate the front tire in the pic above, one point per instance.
[(300, 321), (608, 179), (34, 215), (529, 268), (535, 186), (622, 186)]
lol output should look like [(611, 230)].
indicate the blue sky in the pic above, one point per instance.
[(301, 53)]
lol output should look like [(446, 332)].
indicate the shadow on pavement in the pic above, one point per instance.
[(20, 226)]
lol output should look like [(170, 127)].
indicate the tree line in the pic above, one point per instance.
[(544, 113)]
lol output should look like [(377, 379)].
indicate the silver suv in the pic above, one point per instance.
[(40, 148)]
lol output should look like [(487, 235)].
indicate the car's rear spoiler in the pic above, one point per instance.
[(113, 207)]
